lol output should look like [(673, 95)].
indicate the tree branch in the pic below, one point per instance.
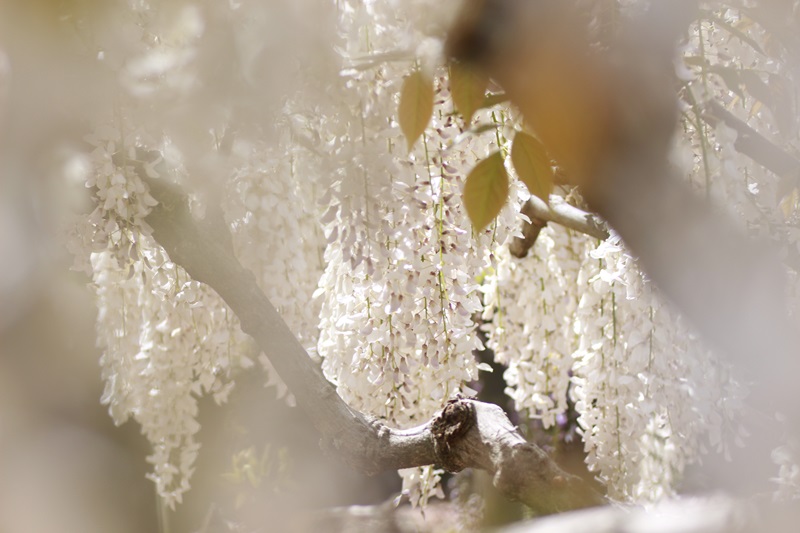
[(560, 212), (748, 142), (466, 433), (753, 144)]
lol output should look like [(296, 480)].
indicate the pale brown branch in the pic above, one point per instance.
[(560, 212), (465, 434), (752, 144)]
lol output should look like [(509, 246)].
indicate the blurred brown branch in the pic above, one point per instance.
[(753, 144)]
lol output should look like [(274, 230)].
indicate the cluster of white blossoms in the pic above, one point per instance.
[(276, 236), (366, 250), (399, 291), (649, 397), (578, 319), (166, 339), (528, 307), (401, 260)]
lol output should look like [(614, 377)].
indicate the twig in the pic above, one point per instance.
[(560, 212), (753, 144)]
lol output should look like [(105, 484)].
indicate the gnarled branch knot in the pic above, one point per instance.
[(457, 417)]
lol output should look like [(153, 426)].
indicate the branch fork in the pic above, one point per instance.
[(466, 433)]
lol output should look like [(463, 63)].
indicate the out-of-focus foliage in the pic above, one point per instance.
[(468, 86), (416, 106), (486, 190), (532, 165)]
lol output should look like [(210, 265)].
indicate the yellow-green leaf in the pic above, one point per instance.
[(532, 165), (486, 190), (416, 106), (468, 87)]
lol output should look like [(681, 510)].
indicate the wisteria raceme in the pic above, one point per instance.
[(276, 235), (641, 390), (397, 333), (529, 305), (166, 339), (640, 377), (593, 327), (160, 356), (604, 381)]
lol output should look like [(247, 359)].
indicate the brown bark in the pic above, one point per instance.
[(467, 433)]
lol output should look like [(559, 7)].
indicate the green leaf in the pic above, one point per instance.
[(532, 165), (486, 190), (468, 87), (416, 106)]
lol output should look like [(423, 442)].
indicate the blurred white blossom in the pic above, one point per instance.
[(166, 339), (787, 458)]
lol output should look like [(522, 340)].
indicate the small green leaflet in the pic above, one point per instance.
[(486, 191), (532, 165), (468, 87), (416, 106)]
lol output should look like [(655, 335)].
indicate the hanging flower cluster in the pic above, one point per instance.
[(639, 378), (166, 339), (399, 289), (642, 383), (586, 324), (276, 236), (358, 233), (529, 305)]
